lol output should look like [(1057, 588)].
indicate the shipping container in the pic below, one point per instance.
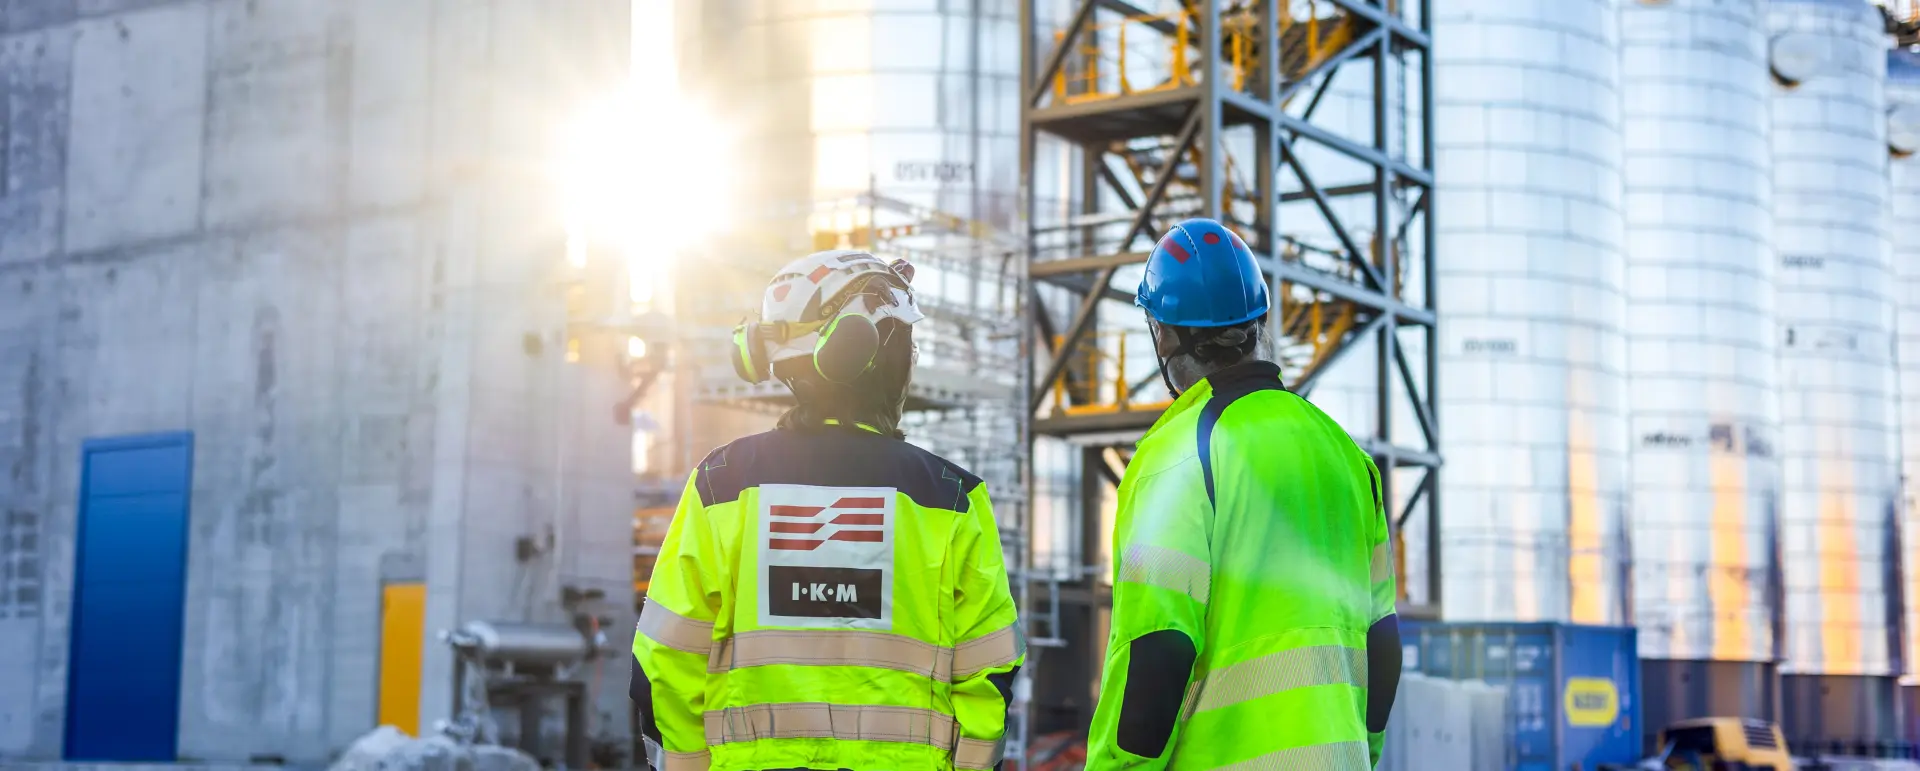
[(1573, 690)]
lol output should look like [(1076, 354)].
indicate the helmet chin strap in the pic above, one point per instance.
[(1187, 344)]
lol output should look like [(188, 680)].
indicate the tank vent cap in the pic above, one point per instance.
[(1798, 57), (1903, 129)]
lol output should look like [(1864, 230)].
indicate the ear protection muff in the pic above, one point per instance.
[(846, 348), (750, 353), (845, 351)]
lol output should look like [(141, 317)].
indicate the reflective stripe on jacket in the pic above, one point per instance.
[(827, 598), (1251, 559)]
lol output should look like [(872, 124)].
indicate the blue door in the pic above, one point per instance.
[(123, 672)]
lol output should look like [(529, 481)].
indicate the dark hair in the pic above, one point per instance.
[(876, 398), (1220, 345)]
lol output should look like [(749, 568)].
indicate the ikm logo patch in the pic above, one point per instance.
[(826, 556)]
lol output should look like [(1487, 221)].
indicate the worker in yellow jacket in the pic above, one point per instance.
[(1253, 597), (829, 596)]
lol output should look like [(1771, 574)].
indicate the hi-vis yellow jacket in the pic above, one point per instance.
[(1253, 563), (827, 598)]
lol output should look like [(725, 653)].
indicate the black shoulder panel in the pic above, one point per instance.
[(1228, 386), (833, 457)]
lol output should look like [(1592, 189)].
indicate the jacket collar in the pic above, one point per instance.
[(1239, 378)]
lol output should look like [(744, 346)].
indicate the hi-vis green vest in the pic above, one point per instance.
[(827, 598), (1251, 558)]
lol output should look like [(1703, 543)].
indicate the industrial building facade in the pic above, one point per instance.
[(302, 367), (280, 318)]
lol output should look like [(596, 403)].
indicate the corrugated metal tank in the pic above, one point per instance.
[(1835, 306), (913, 99), (1903, 138), (1533, 400), (1704, 427)]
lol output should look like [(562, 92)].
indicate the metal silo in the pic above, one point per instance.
[(1527, 129), (914, 100), (1903, 139), (1835, 308), (1704, 427)]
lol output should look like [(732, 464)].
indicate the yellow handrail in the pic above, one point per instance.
[(1166, 60), (1079, 77)]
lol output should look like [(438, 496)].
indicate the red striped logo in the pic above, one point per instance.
[(848, 519)]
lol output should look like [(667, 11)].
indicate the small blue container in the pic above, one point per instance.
[(1573, 690)]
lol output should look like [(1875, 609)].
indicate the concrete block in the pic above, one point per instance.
[(106, 7), (50, 694), (26, 15), (260, 662), (277, 131), (31, 221), (138, 104), (19, 672), (25, 311), (392, 88), (35, 75)]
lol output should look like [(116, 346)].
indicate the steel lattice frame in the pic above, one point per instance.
[(1197, 116)]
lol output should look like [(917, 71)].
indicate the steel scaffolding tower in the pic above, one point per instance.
[(1132, 120)]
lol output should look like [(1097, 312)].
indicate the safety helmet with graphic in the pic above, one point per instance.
[(826, 306)]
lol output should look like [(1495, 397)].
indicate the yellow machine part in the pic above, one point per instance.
[(403, 634)]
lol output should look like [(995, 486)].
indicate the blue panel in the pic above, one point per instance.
[(1594, 654), (1562, 712), (129, 596)]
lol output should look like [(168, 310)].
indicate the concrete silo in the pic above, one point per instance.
[(1835, 308)]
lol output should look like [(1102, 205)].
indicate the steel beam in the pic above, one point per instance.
[(1129, 422), (1325, 69), (1294, 272), (1355, 254), (1420, 410), (1406, 512), (1354, 149), (1083, 264), (1132, 11), (1399, 457), (1374, 13)]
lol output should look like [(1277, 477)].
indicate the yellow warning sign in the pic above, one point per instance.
[(1591, 702)]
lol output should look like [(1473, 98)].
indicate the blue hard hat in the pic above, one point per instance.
[(1202, 275)]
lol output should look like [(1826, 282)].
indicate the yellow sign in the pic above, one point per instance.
[(1591, 702)]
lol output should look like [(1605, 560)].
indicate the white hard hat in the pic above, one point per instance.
[(812, 298)]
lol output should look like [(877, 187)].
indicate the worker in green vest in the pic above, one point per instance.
[(1253, 594), (829, 596)]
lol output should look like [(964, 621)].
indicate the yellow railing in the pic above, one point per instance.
[(1321, 324), (1108, 59), (1103, 48), (1101, 381)]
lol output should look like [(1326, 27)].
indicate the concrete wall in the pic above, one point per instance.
[(314, 233)]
